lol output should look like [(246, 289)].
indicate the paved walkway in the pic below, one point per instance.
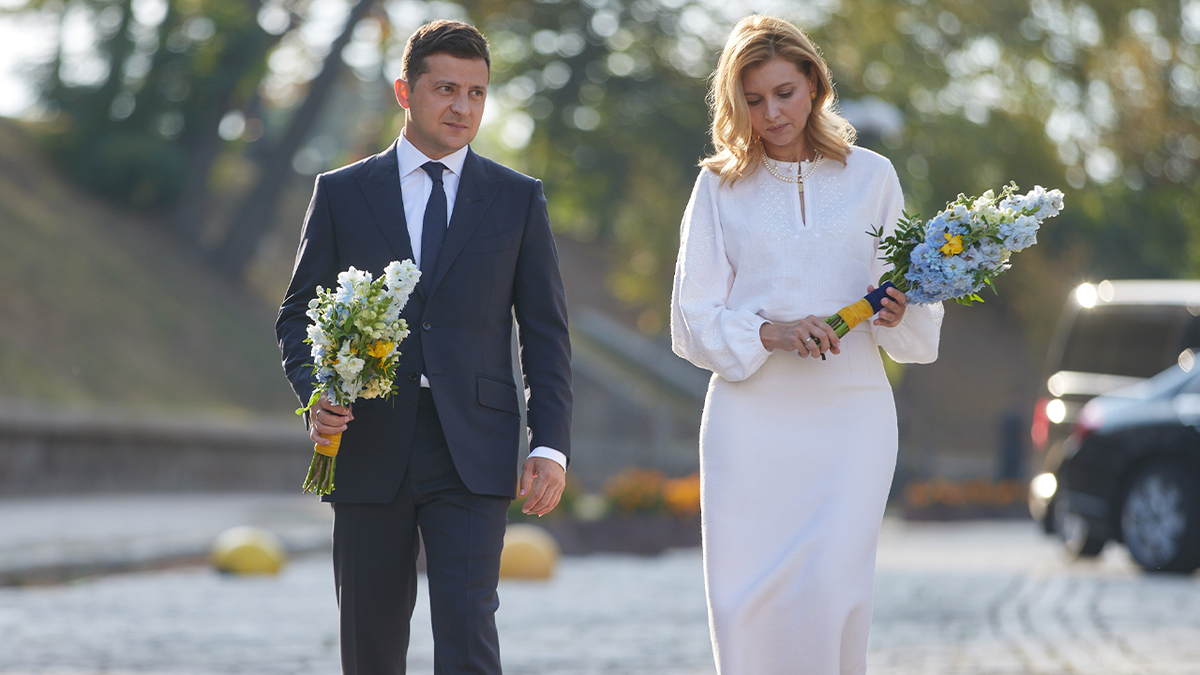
[(969, 598), (52, 539)]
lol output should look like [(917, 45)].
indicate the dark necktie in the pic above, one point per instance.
[(433, 228)]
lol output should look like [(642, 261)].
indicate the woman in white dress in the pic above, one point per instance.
[(797, 452)]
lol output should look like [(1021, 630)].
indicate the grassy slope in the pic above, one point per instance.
[(98, 308)]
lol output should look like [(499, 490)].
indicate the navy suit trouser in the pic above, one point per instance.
[(374, 560)]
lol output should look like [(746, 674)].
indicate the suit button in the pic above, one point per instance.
[(426, 326), (413, 376)]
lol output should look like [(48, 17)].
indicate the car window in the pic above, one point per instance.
[(1129, 340)]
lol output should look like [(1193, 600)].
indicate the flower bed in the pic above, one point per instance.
[(641, 511), (940, 499)]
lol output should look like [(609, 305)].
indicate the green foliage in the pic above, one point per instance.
[(893, 248), (1101, 97), (132, 135), (140, 170), (100, 312), (620, 124)]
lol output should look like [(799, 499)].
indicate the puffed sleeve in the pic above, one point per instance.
[(704, 330), (915, 339)]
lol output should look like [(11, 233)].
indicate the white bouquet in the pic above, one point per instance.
[(355, 335)]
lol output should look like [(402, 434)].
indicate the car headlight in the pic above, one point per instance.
[(1043, 486), (1056, 410)]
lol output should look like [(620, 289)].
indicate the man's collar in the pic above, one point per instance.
[(411, 159)]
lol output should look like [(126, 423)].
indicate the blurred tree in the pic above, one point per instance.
[(256, 215), (608, 99), (605, 98), (1100, 99), (145, 132), (227, 77)]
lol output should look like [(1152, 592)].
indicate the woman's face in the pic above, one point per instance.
[(780, 102)]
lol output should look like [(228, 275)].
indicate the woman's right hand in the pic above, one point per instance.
[(810, 337)]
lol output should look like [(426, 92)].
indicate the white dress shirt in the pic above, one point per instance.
[(415, 188)]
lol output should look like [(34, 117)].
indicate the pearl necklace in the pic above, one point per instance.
[(798, 180)]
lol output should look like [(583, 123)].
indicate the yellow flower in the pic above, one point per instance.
[(953, 245), (380, 349)]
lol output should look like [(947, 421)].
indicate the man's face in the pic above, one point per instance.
[(445, 105)]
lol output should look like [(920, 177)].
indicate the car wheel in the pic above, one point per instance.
[(1078, 537), (1160, 519)]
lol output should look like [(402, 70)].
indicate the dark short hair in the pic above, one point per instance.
[(458, 39)]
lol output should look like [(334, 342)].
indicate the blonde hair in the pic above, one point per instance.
[(756, 40)]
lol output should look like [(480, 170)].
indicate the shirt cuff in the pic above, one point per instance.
[(550, 453)]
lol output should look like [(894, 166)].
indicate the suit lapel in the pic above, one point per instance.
[(475, 195), (380, 186)]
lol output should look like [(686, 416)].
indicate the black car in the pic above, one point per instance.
[(1109, 336), (1131, 472)]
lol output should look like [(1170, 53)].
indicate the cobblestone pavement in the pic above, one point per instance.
[(974, 598)]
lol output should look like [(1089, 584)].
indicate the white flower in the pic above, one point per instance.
[(983, 200), (392, 313), (1051, 203), (350, 388), (351, 284), (348, 365), (374, 389), (317, 335), (401, 278)]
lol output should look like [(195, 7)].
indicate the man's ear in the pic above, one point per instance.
[(402, 93)]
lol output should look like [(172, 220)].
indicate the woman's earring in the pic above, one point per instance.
[(812, 95)]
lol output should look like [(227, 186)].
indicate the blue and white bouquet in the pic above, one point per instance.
[(956, 253), (953, 255), (355, 335)]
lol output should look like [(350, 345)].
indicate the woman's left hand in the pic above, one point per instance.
[(893, 307)]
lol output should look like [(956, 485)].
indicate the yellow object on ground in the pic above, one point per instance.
[(248, 550), (529, 553)]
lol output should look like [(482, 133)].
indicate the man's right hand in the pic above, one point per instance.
[(326, 419)]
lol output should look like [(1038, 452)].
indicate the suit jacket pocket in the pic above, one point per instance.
[(498, 395), (491, 244)]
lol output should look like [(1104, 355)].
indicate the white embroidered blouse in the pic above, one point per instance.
[(748, 256)]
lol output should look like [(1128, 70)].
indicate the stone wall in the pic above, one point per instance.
[(45, 453)]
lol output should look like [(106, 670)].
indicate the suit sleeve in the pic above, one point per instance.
[(540, 305), (316, 264)]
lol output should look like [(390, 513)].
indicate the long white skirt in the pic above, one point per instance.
[(796, 462)]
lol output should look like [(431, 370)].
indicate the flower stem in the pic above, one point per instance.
[(319, 480)]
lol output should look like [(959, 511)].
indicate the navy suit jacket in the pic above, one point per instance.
[(498, 260)]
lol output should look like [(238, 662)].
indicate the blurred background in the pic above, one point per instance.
[(157, 157)]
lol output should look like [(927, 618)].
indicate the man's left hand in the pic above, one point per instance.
[(543, 480)]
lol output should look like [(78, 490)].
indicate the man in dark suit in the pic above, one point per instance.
[(441, 455)]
